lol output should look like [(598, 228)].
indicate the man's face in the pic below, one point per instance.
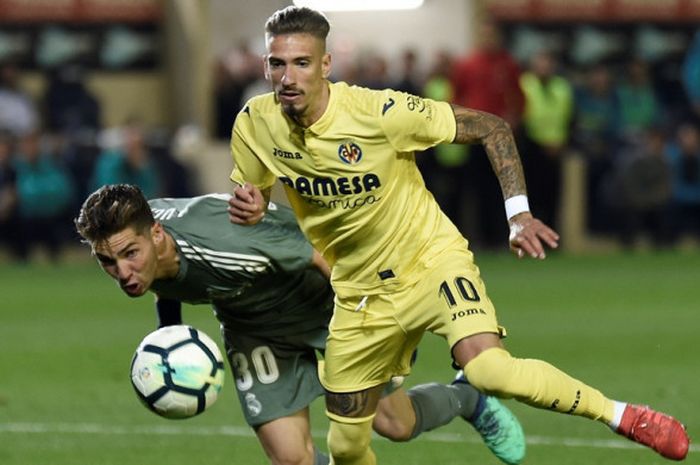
[(297, 66), (130, 258)]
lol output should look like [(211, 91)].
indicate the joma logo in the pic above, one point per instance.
[(467, 312), (285, 154)]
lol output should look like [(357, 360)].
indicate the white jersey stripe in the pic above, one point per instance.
[(228, 266), (191, 251), (253, 258), (223, 261)]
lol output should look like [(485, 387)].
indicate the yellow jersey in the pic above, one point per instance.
[(352, 181)]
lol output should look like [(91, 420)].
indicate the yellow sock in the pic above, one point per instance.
[(536, 383), (349, 440)]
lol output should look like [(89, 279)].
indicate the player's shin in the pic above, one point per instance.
[(536, 383), (437, 404), (349, 440)]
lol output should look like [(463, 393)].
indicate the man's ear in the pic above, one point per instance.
[(157, 233), (266, 68), (326, 65)]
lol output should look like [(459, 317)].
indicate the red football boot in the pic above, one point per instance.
[(661, 432)]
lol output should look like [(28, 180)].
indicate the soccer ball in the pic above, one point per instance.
[(177, 371)]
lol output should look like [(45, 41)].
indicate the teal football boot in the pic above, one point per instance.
[(498, 427)]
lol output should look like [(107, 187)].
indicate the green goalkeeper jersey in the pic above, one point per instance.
[(258, 279)]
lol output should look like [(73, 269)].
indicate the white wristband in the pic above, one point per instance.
[(516, 204)]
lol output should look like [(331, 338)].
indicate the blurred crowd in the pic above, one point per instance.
[(54, 151), (636, 128), (637, 131)]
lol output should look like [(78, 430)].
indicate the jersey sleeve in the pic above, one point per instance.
[(247, 166), (414, 123)]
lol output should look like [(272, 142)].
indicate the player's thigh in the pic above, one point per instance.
[(274, 378), (366, 345), (287, 440), (455, 300)]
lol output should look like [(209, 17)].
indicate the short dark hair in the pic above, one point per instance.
[(112, 209), (298, 20)]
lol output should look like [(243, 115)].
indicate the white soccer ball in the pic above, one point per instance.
[(177, 371)]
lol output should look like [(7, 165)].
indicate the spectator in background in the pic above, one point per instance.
[(73, 115), (488, 80), (175, 179), (638, 190), (684, 157), (691, 74), (227, 99), (186, 147), (79, 153), (130, 163), (257, 84), (374, 72), (438, 85), (640, 108), (45, 194), (443, 166), (70, 108), (233, 73), (18, 113), (595, 135), (547, 119), (409, 79), (9, 215)]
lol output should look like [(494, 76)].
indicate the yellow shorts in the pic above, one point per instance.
[(371, 339)]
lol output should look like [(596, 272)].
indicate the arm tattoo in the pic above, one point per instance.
[(351, 404), (495, 135)]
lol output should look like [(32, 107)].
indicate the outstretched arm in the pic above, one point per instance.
[(527, 234)]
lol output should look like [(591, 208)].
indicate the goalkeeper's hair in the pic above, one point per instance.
[(298, 20), (112, 209)]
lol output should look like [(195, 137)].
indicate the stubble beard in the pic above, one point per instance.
[(293, 112)]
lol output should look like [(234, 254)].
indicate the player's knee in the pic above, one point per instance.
[(298, 453), (490, 372), (293, 456), (347, 441)]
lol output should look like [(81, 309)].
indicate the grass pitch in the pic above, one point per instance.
[(626, 323)]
